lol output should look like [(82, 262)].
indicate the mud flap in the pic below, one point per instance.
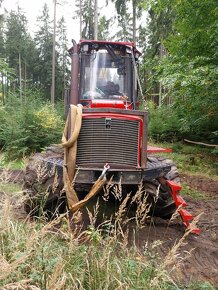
[(180, 203)]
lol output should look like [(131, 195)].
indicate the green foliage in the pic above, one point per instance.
[(127, 13), (2, 40), (192, 159), (18, 42), (10, 188), (159, 27), (28, 127), (201, 286), (104, 28), (187, 74), (196, 34), (11, 164), (193, 87), (194, 193), (87, 14), (5, 69), (63, 60), (16, 34), (124, 19), (163, 124), (43, 40), (5, 72), (31, 58)]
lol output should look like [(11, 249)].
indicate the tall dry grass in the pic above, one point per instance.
[(37, 255)]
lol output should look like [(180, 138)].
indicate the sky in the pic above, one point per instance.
[(33, 9), (66, 8)]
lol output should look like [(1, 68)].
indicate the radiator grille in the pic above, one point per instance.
[(116, 145)]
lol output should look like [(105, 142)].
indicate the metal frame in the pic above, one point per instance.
[(123, 113), (124, 176)]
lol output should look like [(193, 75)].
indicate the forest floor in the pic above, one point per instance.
[(198, 255)]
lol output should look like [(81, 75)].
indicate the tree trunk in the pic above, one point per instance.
[(3, 95), (80, 19), (96, 20), (160, 84), (133, 21), (25, 82), (20, 76), (53, 58), (64, 74)]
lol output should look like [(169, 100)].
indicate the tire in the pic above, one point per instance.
[(43, 184), (160, 197)]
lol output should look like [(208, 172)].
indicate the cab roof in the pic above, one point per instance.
[(104, 42)]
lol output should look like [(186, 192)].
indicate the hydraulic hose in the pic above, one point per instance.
[(69, 142)]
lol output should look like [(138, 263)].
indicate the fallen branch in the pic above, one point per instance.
[(200, 143)]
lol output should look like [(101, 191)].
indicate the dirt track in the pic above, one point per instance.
[(202, 262)]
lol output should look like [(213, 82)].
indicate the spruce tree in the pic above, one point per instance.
[(20, 49), (85, 10), (128, 12), (2, 38), (16, 34), (43, 39), (63, 59), (104, 28)]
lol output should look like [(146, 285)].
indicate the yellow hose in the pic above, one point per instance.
[(72, 129)]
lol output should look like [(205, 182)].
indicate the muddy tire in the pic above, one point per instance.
[(43, 184), (160, 197)]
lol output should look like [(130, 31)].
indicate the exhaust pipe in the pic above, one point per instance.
[(74, 73)]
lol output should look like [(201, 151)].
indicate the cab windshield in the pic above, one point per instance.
[(106, 76)]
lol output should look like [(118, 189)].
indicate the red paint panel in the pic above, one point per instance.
[(110, 104), (153, 149), (122, 43), (113, 115), (119, 104), (107, 42), (186, 216)]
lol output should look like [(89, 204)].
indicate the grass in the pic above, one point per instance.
[(38, 255), (34, 254), (5, 177), (192, 159), (194, 193), (202, 286), (9, 188), (9, 164)]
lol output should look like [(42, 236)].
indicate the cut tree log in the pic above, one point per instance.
[(200, 143)]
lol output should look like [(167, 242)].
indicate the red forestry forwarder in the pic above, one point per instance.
[(105, 139)]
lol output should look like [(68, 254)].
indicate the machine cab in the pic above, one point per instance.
[(107, 74)]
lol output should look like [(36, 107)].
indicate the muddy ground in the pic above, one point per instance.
[(199, 254)]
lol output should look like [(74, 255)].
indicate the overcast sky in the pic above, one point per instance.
[(33, 9), (66, 8)]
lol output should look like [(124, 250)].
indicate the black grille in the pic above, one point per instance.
[(103, 140)]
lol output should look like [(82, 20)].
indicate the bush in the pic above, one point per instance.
[(164, 124), (193, 86), (28, 127), (171, 123)]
